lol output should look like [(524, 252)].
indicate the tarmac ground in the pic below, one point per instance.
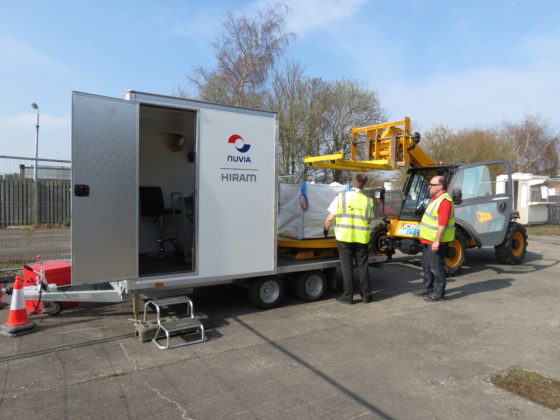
[(398, 357)]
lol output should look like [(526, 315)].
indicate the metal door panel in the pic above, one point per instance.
[(237, 194), (483, 210), (105, 158)]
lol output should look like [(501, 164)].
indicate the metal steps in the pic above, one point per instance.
[(187, 325)]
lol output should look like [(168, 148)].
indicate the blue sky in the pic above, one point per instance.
[(456, 63)]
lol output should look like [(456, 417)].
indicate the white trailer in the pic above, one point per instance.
[(530, 196), (215, 166)]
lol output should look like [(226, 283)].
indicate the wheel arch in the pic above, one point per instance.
[(469, 233)]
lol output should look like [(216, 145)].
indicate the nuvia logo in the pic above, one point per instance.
[(241, 147)]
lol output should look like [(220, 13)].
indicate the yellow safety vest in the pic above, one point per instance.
[(429, 224), (352, 217)]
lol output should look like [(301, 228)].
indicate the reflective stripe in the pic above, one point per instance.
[(353, 227), (356, 216), (428, 216), (352, 217), (448, 227), (429, 224)]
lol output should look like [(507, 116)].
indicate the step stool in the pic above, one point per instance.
[(175, 326)]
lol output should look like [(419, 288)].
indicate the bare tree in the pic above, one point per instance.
[(534, 146), (466, 145), (315, 116), (246, 52), (346, 104), (295, 98)]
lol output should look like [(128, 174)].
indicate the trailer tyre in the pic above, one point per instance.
[(266, 292), (512, 250), (311, 286), (52, 308), (456, 253)]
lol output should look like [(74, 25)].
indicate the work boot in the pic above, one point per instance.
[(347, 301), (432, 298)]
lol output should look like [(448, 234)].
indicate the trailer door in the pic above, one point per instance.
[(104, 189)]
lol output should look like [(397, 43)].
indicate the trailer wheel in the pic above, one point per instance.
[(456, 254), (266, 292), (52, 308), (311, 286), (512, 250)]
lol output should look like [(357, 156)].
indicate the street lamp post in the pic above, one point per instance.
[(35, 106)]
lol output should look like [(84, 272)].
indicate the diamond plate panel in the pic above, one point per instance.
[(105, 157)]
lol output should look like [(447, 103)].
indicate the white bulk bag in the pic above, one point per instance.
[(302, 209)]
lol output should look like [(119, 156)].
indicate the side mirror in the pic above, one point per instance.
[(457, 196)]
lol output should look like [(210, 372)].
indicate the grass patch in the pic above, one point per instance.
[(546, 230), (530, 385)]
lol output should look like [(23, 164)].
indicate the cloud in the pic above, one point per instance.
[(29, 119), (27, 57), (17, 135), (484, 96), (308, 15), (200, 25)]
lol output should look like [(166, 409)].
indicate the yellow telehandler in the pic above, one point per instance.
[(484, 213)]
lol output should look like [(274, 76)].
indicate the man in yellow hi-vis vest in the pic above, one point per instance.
[(437, 229), (351, 212)]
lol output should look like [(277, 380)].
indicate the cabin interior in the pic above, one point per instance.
[(167, 211)]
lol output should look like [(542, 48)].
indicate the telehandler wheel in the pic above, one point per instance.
[(512, 250), (311, 286), (456, 253), (266, 292), (377, 235)]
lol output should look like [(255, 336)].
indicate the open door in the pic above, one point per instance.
[(104, 189), (485, 210)]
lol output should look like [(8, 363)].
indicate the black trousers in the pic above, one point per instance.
[(349, 252), (433, 264)]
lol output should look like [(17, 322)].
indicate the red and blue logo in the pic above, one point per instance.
[(239, 143)]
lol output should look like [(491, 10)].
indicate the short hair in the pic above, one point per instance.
[(442, 181), (359, 181)]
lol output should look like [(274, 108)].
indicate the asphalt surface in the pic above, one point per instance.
[(398, 357)]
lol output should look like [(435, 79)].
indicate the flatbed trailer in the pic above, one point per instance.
[(310, 278)]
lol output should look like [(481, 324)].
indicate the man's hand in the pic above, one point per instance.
[(327, 224), (435, 246)]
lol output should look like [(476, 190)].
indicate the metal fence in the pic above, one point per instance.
[(34, 213), (554, 210), (28, 202)]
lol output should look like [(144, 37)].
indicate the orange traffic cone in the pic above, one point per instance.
[(18, 323)]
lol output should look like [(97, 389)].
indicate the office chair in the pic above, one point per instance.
[(152, 205)]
